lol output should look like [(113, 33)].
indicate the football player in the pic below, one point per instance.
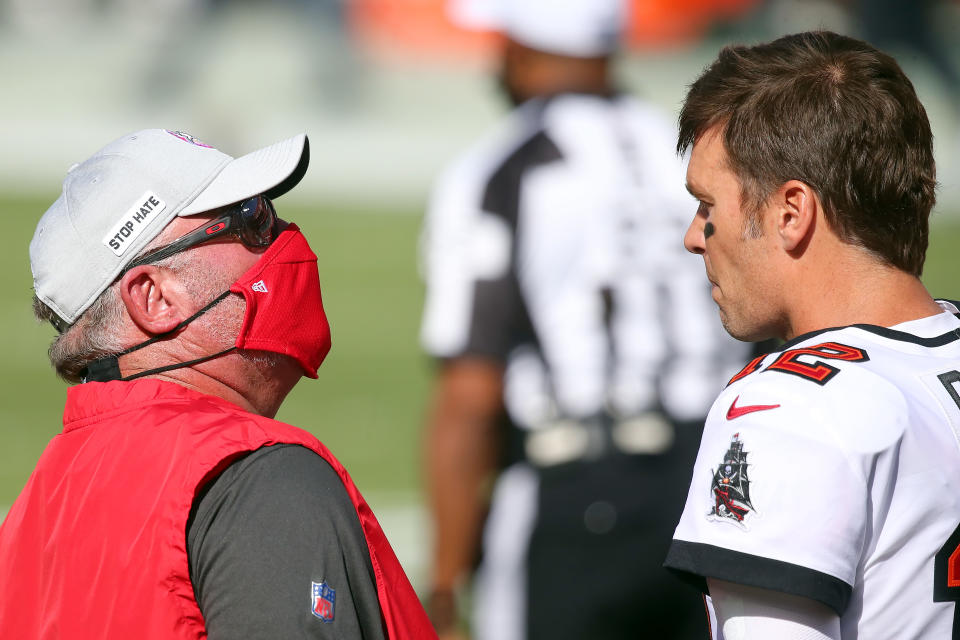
[(825, 499)]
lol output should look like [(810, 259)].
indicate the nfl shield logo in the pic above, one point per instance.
[(322, 601)]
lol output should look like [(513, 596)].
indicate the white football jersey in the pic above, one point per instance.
[(831, 470)]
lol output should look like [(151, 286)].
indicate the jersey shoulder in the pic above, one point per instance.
[(836, 386)]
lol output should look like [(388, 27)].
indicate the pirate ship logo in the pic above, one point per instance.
[(731, 487)]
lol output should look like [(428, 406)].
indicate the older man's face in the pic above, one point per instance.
[(211, 268), (225, 258), (228, 255)]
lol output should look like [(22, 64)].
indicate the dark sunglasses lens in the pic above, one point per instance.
[(257, 221)]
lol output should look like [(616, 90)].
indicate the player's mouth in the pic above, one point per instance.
[(714, 287)]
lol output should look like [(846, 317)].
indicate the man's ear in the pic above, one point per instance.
[(154, 298), (797, 211)]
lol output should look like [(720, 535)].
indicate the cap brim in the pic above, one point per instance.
[(272, 171)]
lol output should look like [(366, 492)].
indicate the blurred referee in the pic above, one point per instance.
[(577, 348)]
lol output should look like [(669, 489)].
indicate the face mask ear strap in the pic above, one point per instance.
[(108, 368), (167, 334), (178, 365)]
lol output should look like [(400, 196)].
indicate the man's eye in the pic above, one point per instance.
[(703, 208)]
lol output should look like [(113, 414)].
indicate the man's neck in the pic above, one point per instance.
[(257, 386), (853, 287)]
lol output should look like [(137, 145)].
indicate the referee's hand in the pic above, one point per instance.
[(442, 609)]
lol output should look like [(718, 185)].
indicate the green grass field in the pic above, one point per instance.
[(368, 403)]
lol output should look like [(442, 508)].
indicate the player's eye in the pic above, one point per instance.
[(703, 208)]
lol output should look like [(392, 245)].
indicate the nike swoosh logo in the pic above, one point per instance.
[(735, 412)]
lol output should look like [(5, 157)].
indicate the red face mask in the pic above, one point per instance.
[(284, 307), (284, 312)]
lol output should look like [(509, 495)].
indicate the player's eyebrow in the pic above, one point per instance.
[(694, 191)]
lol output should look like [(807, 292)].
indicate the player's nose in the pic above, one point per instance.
[(693, 239)]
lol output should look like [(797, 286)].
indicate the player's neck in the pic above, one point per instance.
[(853, 287)]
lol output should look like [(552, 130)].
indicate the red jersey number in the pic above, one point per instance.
[(817, 370), (812, 366)]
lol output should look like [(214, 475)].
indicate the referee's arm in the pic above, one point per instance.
[(462, 445)]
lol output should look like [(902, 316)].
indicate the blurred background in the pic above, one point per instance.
[(388, 91)]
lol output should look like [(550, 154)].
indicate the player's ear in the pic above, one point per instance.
[(797, 208), (154, 298)]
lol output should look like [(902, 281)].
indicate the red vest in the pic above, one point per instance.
[(95, 545)]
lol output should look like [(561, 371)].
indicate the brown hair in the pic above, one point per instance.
[(835, 113)]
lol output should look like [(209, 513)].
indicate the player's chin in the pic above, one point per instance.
[(745, 328), (715, 293), (734, 324)]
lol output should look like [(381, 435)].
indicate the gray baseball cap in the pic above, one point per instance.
[(118, 200)]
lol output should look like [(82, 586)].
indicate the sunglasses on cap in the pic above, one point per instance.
[(253, 221)]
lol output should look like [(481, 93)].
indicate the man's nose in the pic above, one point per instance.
[(693, 239)]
